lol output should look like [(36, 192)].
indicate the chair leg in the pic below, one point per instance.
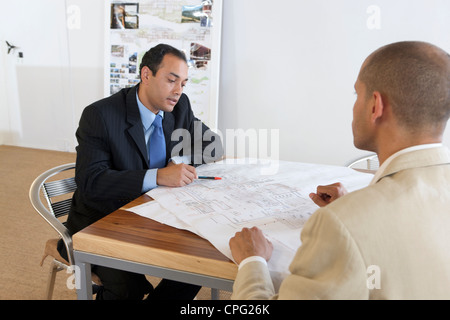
[(51, 280)]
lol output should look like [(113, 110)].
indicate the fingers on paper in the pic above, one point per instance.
[(176, 175), (250, 242)]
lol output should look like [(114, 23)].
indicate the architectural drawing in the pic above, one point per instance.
[(278, 204)]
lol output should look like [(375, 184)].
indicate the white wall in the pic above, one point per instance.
[(292, 65), (287, 65), (61, 71)]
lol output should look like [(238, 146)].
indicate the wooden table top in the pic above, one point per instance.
[(126, 235)]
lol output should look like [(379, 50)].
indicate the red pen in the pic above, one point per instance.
[(210, 178)]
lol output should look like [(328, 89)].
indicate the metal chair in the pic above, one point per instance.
[(369, 162), (58, 198)]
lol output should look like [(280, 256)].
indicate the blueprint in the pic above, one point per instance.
[(278, 203)]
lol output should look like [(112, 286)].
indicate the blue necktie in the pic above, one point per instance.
[(157, 145)]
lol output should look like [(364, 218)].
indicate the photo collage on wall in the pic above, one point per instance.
[(136, 26), (123, 62)]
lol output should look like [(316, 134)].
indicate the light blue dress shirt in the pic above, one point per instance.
[(147, 118)]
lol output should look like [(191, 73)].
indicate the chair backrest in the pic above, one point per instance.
[(58, 204), (369, 162)]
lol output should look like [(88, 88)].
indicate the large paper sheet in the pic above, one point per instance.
[(273, 196)]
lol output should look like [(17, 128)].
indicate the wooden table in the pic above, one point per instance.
[(124, 240)]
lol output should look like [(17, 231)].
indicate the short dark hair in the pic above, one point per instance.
[(153, 57), (414, 77)]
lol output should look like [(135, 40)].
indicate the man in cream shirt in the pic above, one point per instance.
[(390, 240)]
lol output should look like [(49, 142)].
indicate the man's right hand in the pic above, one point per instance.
[(176, 175), (327, 194), (248, 243)]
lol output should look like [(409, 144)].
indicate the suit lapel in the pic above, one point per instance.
[(136, 130)]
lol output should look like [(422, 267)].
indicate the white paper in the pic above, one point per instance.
[(246, 196)]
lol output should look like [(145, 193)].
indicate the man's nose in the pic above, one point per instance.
[(178, 89)]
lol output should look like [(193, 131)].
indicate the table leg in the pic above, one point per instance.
[(84, 291), (214, 294)]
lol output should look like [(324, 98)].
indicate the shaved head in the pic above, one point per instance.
[(414, 78)]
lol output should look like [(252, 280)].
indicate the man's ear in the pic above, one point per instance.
[(145, 74), (378, 107)]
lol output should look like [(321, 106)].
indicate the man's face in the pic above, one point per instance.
[(362, 133), (162, 91)]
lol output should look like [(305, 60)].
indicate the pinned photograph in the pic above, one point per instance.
[(125, 16), (198, 14), (200, 55)]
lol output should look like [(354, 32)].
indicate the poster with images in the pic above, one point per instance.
[(193, 26)]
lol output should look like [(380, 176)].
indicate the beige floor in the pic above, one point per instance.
[(23, 232)]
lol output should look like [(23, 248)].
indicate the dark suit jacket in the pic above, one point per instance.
[(112, 155)]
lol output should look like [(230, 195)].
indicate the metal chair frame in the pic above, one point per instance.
[(370, 160), (53, 211)]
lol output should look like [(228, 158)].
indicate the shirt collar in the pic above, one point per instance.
[(382, 168), (147, 117)]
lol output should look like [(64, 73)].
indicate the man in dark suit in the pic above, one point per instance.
[(114, 156)]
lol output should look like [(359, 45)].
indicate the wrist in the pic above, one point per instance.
[(252, 259)]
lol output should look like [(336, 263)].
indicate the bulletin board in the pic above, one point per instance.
[(193, 26)]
